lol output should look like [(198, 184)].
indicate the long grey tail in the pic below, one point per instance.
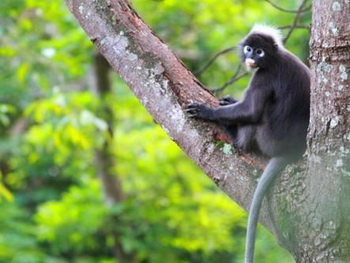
[(273, 168)]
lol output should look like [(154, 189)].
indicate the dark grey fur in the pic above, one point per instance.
[(271, 120)]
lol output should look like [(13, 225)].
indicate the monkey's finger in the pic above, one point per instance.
[(224, 102), (191, 112), (191, 107), (192, 115)]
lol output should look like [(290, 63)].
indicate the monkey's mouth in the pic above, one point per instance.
[(250, 63)]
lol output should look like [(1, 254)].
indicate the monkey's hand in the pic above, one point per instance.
[(227, 100), (199, 110)]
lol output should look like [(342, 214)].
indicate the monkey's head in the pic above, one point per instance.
[(260, 47)]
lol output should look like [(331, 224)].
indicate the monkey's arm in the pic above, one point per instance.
[(249, 110)]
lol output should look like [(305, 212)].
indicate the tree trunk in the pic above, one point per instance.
[(105, 161), (316, 223), (308, 208)]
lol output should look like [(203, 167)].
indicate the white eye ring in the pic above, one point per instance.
[(247, 49), (260, 52)]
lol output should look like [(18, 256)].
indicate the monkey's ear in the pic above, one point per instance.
[(240, 45), (275, 45)]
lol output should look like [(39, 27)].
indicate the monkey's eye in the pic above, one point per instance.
[(247, 49), (260, 52)]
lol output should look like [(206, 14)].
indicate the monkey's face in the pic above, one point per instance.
[(252, 57), (258, 51)]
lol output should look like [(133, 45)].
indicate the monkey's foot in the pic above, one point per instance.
[(227, 100)]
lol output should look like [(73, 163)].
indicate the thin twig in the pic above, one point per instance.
[(212, 60), (307, 9), (238, 75), (295, 22), (295, 27)]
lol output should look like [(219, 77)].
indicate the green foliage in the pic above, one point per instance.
[(52, 124), (71, 116), (6, 111), (17, 234), (84, 213)]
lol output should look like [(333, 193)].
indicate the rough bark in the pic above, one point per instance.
[(315, 224), (308, 211)]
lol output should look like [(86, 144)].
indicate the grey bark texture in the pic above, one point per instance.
[(322, 217), (308, 208)]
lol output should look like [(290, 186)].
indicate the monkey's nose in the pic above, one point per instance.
[(250, 63)]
